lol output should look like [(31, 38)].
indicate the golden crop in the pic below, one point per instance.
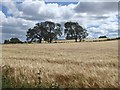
[(82, 64)]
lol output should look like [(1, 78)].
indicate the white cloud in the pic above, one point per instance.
[(107, 27), (15, 27), (12, 8), (99, 19), (2, 17), (97, 8), (41, 11)]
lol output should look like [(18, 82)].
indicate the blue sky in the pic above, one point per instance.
[(99, 18), (62, 3)]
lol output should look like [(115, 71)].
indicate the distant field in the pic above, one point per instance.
[(81, 64), (85, 40)]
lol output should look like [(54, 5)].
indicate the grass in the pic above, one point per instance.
[(76, 65)]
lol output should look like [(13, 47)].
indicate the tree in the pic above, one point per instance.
[(103, 37), (12, 41), (15, 40), (75, 31), (45, 30)]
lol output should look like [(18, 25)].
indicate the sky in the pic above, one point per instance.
[(97, 17)]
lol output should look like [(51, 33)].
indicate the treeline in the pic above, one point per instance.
[(49, 31)]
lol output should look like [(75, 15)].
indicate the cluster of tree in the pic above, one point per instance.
[(12, 41), (118, 38), (46, 31), (102, 36), (49, 31)]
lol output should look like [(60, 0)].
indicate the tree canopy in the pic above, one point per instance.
[(45, 30), (102, 36), (49, 31), (75, 31)]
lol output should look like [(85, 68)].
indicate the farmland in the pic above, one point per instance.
[(81, 64)]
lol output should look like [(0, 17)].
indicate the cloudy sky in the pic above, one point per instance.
[(99, 18)]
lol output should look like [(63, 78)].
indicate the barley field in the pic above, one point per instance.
[(61, 65)]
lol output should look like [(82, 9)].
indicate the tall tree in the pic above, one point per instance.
[(75, 31), (45, 30)]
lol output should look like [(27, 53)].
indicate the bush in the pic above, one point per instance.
[(6, 42), (13, 41), (103, 37)]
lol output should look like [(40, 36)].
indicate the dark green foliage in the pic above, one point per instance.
[(75, 31), (103, 37), (15, 40), (46, 31), (12, 41), (36, 33), (49, 31), (6, 41)]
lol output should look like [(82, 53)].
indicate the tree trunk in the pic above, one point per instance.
[(50, 40), (40, 41), (75, 38)]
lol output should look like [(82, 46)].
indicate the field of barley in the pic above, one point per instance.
[(61, 65)]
